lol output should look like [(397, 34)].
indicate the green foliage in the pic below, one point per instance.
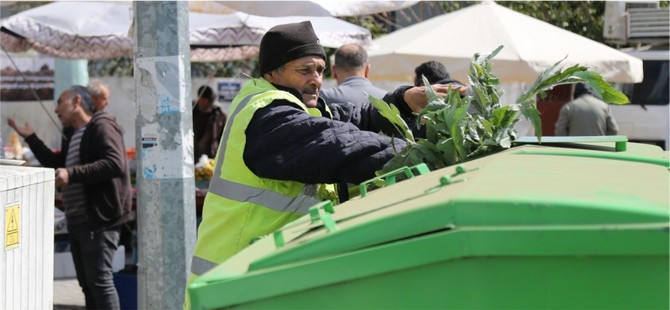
[(117, 66), (20, 6), (462, 128), (391, 113), (234, 68), (585, 18)]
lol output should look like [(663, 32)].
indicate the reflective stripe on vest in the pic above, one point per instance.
[(200, 265), (264, 197)]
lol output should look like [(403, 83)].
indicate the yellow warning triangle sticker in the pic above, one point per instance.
[(13, 225)]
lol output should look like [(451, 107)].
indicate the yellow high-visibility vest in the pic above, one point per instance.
[(240, 206)]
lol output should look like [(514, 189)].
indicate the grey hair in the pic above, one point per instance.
[(85, 96), (96, 87)]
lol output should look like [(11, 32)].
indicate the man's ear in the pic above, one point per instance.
[(269, 76), (76, 100), (333, 71), (367, 70)]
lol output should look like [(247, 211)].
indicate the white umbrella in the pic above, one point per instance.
[(85, 30), (235, 36), (306, 8), (530, 46), (94, 30), (244, 29)]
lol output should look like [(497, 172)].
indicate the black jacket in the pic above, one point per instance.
[(206, 137), (285, 143), (103, 170)]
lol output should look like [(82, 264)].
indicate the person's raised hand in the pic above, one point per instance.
[(24, 131), (416, 99)]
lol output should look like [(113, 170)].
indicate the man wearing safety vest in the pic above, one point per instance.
[(282, 140)]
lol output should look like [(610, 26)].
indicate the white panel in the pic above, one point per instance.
[(26, 276)]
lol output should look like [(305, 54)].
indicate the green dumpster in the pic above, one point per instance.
[(567, 226)]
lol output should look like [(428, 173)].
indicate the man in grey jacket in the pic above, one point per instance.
[(586, 115), (351, 69)]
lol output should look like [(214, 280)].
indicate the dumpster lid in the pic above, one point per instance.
[(527, 193), (527, 186)]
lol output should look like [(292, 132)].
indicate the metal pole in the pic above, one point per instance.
[(164, 140)]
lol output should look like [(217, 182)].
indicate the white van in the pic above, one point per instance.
[(646, 119)]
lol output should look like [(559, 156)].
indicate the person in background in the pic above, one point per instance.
[(351, 69), (99, 94), (283, 140), (92, 172), (435, 72), (585, 115), (208, 123)]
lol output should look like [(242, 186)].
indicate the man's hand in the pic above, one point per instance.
[(62, 177), (22, 131), (415, 97)]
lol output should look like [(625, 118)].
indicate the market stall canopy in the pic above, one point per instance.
[(301, 8), (97, 30), (530, 46), (243, 32), (79, 30)]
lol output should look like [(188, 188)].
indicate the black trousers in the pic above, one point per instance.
[(92, 254)]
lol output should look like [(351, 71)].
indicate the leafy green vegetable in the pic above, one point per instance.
[(461, 128), (391, 113)]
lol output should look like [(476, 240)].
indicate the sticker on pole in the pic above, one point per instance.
[(12, 224), (162, 104)]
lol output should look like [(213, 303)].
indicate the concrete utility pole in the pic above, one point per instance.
[(164, 131)]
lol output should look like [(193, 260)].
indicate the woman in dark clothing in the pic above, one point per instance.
[(208, 123)]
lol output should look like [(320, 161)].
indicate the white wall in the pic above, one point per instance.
[(27, 195)]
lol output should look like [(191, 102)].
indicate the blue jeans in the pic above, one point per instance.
[(92, 254)]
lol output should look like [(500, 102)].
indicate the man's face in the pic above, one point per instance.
[(101, 101), (304, 75), (66, 108), (204, 104)]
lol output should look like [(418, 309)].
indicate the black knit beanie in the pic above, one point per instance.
[(284, 43)]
